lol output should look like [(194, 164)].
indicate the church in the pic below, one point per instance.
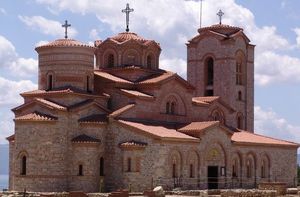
[(106, 117)]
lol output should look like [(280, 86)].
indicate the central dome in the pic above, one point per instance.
[(124, 36)]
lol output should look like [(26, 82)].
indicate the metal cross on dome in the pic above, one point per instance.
[(220, 14), (127, 10), (66, 25)]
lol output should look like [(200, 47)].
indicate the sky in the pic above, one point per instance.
[(272, 25)]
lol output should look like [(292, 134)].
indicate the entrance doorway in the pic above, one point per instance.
[(212, 177)]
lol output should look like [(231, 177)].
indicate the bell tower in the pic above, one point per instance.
[(221, 63)]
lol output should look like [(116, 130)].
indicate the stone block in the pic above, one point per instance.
[(77, 194)]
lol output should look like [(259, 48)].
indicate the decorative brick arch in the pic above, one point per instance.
[(150, 56), (193, 164), (251, 165), (106, 58), (175, 163), (241, 67), (215, 154), (179, 105), (131, 57), (237, 163), (265, 166), (218, 114)]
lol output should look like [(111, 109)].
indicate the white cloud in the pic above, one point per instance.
[(275, 68), (176, 65), (2, 11), (297, 31), (46, 26), (269, 123), (10, 61), (178, 21), (94, 34), (42, 42), (10, 98)]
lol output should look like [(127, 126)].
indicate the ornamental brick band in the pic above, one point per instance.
[(280, 187)]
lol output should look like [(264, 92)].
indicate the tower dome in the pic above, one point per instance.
[(65, 62)]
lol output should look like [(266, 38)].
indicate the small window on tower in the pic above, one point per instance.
[(209, 68), (88, 83), (80, 170), (23, 165), (239, 95), (209, 92)]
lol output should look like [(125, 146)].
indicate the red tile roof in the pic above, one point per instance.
[(157, 78), (67, 90), (124, 36), (51, 104), (245, 137), (118, 112), (98, 118), (85, 139), (159, 131), (136, 94), (11, 138), (111, 77), (64, 43), (198, 126), (205, 99), (36, 116)]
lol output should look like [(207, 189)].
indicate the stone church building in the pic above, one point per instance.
[(106, 117)]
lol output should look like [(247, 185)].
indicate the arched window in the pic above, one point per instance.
[(173, 105), (129, 164), (50, 82), (263, 170), (23, 165), (239, 95), (209, 68), (191, 171), (110, 61), (248, 169), (174, 170), (149, 61), (218, 116), (101, 166), (234, 169), (87, 83), (80, 170), (168, 108)]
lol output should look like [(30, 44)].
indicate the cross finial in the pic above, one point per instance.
[(127, 10), (220, 14), (66, 25)]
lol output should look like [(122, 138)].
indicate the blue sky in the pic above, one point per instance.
[(272, 25)]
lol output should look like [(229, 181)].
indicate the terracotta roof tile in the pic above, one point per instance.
[(137, 94), (121, 110), (85, 139), (65, 90), (36, 116), (51, 104), (157, 78), (205, 99), (246, 137), (11, 138), (111, 77), (133, 144), (198, 126), (64, 43), (97, 118), (159, 131), (124, 36)]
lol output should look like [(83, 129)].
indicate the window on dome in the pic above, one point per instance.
[(50, 82), (239, 95), (240, 121), (88, 83), (110, 61), (149, 61), (128, 164)]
